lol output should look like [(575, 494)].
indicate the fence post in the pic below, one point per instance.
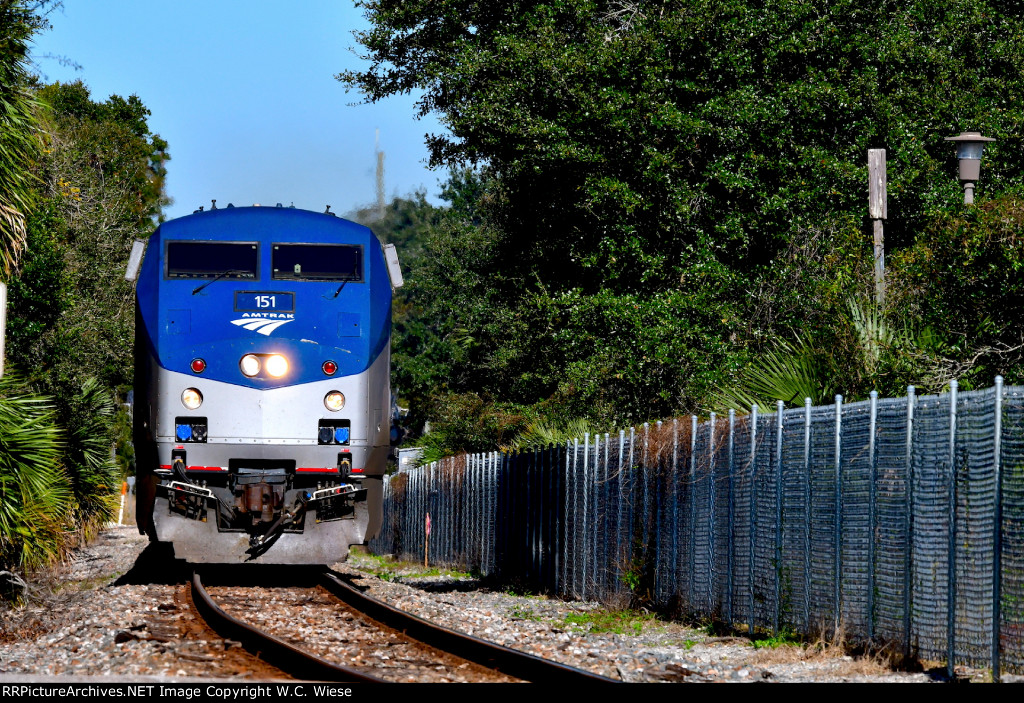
[(691, 494), (778, 514), (807, 513), (838, 509), (606, 541), (645, 475), (872, 471), (481, 514), (632, 516), (582, 534), (997, 534), (557, 501), (951, 556), (730, 547), (596, 532), (753, 516), (658, 509), (570, 506), (711, 514), (677, 494), (908, 558), (496, 460), (623, 545)]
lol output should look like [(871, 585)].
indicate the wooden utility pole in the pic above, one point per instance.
[(380, 176), (878, 209)]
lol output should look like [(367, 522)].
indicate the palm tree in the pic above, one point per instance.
[(19, 133), (35, 500)]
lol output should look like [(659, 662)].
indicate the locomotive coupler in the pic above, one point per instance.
[(258, 544)]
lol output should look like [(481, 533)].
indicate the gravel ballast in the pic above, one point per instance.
[(118, 610)]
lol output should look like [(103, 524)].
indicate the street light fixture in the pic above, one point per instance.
[(969, 147)]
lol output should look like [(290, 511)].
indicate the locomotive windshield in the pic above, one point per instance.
[(212, 260), (317, 262)]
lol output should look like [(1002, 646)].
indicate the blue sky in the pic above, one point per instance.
[(244, 92)]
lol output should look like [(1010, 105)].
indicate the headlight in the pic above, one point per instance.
[(191, 398), (334, 401), (250, 365), (277, 366)]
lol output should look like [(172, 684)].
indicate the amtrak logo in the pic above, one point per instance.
[(264, 323)]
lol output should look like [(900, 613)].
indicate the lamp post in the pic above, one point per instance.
[(969, 147)]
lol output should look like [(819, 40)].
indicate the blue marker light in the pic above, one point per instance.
[(184, 432), (341, 435)]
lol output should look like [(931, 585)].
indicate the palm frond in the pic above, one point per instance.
[(35, 497), (791, 372), (541, 433)]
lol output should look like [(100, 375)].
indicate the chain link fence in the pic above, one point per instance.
[(890, 521)]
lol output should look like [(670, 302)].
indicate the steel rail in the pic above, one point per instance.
[(289, 659), (496, 657)]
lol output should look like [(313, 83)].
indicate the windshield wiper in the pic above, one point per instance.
[(336, 292), (229, 272)]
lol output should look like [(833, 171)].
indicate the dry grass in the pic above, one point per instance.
[(834, 651)]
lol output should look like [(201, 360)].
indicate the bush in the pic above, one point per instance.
[(962, 278), (36, 502)]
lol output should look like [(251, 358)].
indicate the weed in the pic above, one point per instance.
[(522, 613), (786, 637), (619, 622), (389, 569)]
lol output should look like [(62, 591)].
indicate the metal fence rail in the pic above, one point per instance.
[(897, 521)]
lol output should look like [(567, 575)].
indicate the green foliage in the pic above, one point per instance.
[(785, 638), (93, 472), (405, 222), (619, 622), (665, 189), (633, 575), (19, 142), (962, 279), (387, 568), (790, 372), (868, 349), (542, 433), (124, 449), (35, 501), (72, 313), (468, 423), (954, 299), (94, 186)]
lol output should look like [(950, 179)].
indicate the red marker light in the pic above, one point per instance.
[(330, 368), (198, 366)]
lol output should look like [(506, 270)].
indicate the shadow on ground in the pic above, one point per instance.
[(156, 565)]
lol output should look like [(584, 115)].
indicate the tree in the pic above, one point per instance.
[(675, 184), (408, 224), (71, 317), (70, 212), (100, 188), (35, 502), (19, 141)]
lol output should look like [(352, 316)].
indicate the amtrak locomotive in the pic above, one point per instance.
[(262, 389)]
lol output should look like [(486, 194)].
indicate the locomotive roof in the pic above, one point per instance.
[(265, 223)]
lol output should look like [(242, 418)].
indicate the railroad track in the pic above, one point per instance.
[(414, 645)]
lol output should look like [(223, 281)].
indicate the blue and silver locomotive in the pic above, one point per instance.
[(262, 389)]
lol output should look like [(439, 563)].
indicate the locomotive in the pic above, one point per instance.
[(262, 416)]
